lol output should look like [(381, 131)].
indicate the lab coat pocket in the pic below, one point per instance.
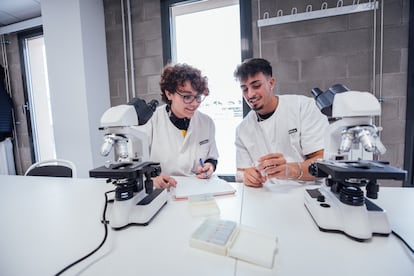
[(202, 152), (203, 146), (294, 139)]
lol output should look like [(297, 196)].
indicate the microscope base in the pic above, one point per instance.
[(357, 222), (139, 210)]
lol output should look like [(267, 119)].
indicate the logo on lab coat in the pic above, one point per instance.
[(203, 142), (293, 130)]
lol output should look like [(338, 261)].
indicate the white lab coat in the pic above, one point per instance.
[(180, 155), (296, 129)]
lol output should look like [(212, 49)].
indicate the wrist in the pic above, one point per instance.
[(240, 176), (299, 173)]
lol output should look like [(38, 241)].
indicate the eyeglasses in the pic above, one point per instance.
[(190, 98)]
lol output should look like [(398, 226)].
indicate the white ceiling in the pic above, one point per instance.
[(13, 11)]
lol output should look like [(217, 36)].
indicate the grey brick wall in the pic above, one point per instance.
[(147, 49)]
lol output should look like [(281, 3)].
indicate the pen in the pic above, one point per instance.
[(202, 165)]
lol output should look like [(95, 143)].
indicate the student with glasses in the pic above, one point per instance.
[(281, 135), (181, 138)]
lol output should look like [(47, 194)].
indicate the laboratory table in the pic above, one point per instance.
[(47, 223)]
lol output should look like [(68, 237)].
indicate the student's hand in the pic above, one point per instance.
[(205, 172), (164, 181), (253, 178), (273, 165)]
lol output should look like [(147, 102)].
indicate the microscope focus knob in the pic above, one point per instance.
[(317, 169), (313, 169), (320, 198)]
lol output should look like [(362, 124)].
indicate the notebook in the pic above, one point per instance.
[(189, 186)]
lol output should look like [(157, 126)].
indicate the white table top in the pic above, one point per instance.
[(47, 223), (304, 250)]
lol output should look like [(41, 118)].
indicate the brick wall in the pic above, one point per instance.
[(147, 49)]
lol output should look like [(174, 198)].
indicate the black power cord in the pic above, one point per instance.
[(404, 241), (105, 223)]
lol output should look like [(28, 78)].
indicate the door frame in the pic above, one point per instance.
[(22, 36)]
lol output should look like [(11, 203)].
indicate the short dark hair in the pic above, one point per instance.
[(251, 67), (176, 75)]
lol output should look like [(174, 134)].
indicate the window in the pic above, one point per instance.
[(206, 35)]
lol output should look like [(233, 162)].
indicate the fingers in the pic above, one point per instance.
[(279, 171), (271, 162), (206, 171), (172, 182), (272, 165), (159, 182), (276, 155), (164, 181), (253, 178)]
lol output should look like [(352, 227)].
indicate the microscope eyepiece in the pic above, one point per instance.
[(324, 100), (153, 105), (144, 110)]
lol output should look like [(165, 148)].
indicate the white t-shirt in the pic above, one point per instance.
[(179, 155), (296, 129)]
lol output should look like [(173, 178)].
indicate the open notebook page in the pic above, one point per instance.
[(193, 186)]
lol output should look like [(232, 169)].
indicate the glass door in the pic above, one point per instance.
[(37, 105)]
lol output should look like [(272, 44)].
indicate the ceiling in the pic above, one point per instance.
[(13, 11)]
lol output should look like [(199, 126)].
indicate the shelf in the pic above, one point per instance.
[(317, 14)]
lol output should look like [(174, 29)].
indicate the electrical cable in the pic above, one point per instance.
[(404, 241), (105, 223)]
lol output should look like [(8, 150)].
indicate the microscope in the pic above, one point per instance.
[(136, 201), (351, 115), (348, 167)]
